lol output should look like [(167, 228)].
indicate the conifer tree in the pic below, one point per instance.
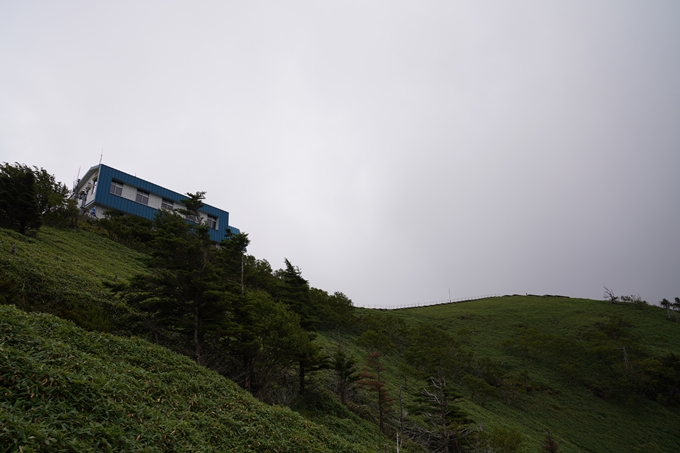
[(19, 208), (293, 290), (192, 204), (447, 425), (232, 256), (270, 342), (435, 355), (373, 380), (345, 373), (184, 291), (55, 206), (667, 305)]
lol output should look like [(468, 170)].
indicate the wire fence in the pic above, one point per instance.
[(433, 303)]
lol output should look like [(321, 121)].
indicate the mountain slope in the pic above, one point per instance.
[(62, 271), (556, 346), (83, 390), (66, 389)]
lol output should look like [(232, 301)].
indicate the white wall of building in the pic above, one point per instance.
[(130, 193), (155, 201), (89, 187)]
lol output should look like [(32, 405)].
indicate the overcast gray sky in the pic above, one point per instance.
[(393, 150)]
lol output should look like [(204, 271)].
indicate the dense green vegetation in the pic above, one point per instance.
[(62, 272), (535, 364), (65, 389), (31, 197), (519, 341), (510, 374)]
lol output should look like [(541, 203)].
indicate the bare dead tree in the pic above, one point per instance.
[(609, 295), (446, 425)]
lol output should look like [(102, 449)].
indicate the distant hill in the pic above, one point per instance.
[(560, 366)]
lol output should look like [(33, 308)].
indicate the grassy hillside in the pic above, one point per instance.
[(62, 271), (66, 389), (579, 420), (84, 390)]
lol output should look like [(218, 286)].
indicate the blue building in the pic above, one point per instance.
[(103, 188)]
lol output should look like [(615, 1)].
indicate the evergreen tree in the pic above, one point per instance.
[(54, 202), (345, 373), (310, 359), (373, 380), (667, 305), (192, 205), (269, 343), (293, 290), (232, 256), (19, 207), (332, 310), (259, 275), (437, 357), (130, 230), (184, 291), (446, 425)]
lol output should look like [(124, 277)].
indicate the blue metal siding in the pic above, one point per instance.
[(105, 198)]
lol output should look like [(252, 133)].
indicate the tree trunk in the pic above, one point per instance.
[(302, 378), (197, 340), (343, 392), (380, 405), (243, 288), (247, 367), (380, 413)]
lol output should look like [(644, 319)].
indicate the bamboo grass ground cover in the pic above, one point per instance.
[(62, 272), (66, 389)]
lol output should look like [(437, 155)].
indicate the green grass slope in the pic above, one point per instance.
[(579, 420), (66, 389), (62, 271)]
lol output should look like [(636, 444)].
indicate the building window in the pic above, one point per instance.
[(142, 197), (116, 188), (167, 204), (212, 222), (191, 218)]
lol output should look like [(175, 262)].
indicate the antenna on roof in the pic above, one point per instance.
[(101, 156), (75, 183)]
